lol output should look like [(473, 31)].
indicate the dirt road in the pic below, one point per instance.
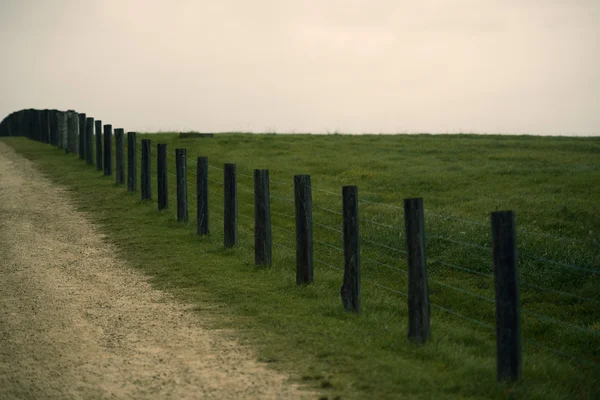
[(75, 323)]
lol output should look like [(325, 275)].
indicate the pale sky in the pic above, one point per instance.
[(352, 66)]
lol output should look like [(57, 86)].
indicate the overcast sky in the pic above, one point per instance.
[(377, 66)]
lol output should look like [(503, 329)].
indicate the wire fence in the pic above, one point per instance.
[(460, 290), (387, 257)]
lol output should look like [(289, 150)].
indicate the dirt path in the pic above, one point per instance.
[(75, 323)]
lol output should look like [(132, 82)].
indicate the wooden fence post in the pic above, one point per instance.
[(508, 319), (72, 132), (107, 150), (202, 196), (53, 117), (350, 290), (418, 290), (145, 178), (89, 141), (39, 125), (181, 176), (304, 234), (120, 154), (161, 178), (263, 240), (131, 162), (82, 120), (230, 204), (45, 138), (99, 145), (62, 129)]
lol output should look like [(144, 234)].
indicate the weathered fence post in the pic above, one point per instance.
[(119, 159), (263, 241), (230, 204), (40, 125), (61, 117), (54, 140), (98, 145), (145, 178), (45, 138), (304, 234), (89, 141), (202, 196), (350, 290), (131, 162), (82, 120), (73, 132), (508, 319), (107, 150), (161, 178), (418, 290), (181, 175)]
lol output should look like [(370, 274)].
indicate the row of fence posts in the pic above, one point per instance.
[(35, 125)]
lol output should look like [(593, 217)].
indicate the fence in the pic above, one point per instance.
[(74, 133)]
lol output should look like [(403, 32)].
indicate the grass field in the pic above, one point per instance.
[(553, 185)]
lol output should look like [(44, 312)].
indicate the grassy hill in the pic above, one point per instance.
[(553, 185)]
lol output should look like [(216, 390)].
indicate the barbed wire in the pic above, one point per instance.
[(244, 203), (374, 222), (283, 198), (283, 214), (454, 241), (328, 227), (283, 229), (460, 242), (473, 271), (383, 246), (329, 245), (326, 191), (327, 264), (562, 354), (386, 265), (560, 292), (328, 210), (560, 264)]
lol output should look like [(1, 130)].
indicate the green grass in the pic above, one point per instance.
[(553, 185)]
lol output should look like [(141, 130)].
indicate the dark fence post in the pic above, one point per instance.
[(161, 178), (304, 234), (45, 138), (508, 319), (38, 125), (53, 118), (61, 117), (230, 204), (263, 241), (350, 290), (107, 150), (145, 178), (72, 132), (181, 175), (131, 162), (202, 195), (89, 141), (99, 145), (119, 159), (82, 120), (418, 290)]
